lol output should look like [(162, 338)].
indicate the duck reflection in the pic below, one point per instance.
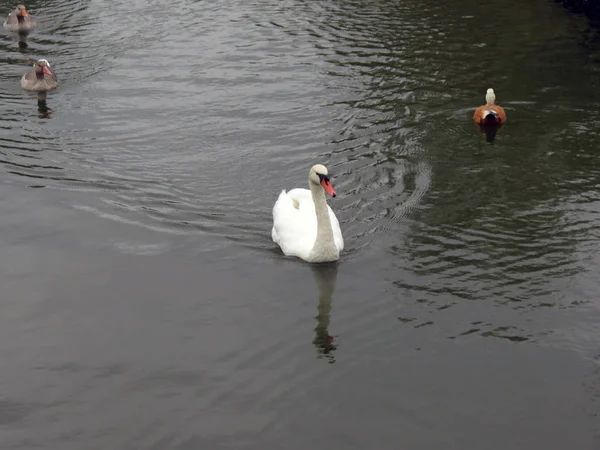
[(43, 108), (490, 131), (325, 277), (23, 41)]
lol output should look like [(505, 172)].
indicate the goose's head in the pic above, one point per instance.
[(20, 11), (42, 66), (490, 97), (319, 175)]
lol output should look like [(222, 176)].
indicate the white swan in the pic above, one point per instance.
[(303, 223)]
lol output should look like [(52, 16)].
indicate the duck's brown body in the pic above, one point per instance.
[(19, 21), (490, 113), (40, 78)]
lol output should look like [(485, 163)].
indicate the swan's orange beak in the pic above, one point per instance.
[(24, 13), (328, 186)]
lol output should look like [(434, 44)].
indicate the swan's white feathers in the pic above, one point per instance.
[(295, 223)]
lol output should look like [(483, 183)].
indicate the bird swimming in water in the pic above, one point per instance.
[(19, 21), (490, 113), (40, 77)]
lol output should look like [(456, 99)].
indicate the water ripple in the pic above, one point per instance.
[(192, 122)]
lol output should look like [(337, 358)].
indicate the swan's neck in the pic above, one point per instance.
[(324, 247)]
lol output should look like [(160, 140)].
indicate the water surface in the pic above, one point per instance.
[(144, 304)]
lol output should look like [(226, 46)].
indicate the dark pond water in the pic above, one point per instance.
[(144, 306)]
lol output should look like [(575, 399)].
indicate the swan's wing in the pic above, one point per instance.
[(337, 231), (294, 222)]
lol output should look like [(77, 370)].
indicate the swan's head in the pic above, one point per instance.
[(490, 97), (319, 175), (21, 11)]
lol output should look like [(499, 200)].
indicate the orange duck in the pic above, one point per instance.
[(490, 113)]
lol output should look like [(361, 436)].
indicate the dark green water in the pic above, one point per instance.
[(143, 304)]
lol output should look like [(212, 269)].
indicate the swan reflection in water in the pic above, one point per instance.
[(325, 277)]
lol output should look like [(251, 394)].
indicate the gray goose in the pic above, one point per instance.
[(40, 77), (19, 21)]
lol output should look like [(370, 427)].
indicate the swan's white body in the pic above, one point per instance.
[(304, 225)]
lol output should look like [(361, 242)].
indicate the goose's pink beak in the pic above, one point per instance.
[(46, 71), (24, 13)]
